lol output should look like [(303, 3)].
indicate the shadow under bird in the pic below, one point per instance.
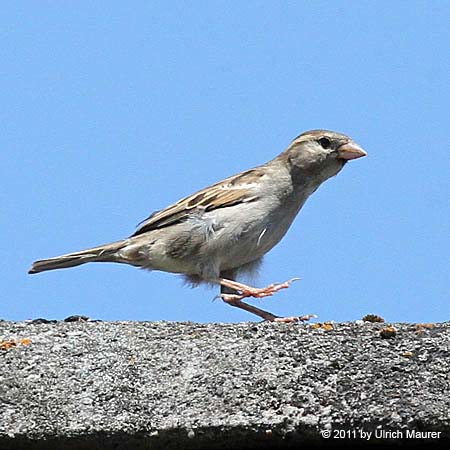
[(224, 230)]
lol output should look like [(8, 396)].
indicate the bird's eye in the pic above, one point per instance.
[(324, 142)]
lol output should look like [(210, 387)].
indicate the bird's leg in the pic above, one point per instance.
[(229, 294), (251, 309)]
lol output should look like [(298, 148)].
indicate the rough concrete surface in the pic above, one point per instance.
[(162, 385)]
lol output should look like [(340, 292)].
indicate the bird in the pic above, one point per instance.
[(224, 230)]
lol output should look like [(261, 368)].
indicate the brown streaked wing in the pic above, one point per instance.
[(229, 192)]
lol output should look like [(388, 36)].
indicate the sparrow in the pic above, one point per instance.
[(224, 230)]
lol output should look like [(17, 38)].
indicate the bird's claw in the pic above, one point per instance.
[(266, 291)]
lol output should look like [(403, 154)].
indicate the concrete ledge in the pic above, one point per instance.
[(142, 385)]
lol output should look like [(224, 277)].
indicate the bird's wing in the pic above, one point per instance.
[(229, 192)]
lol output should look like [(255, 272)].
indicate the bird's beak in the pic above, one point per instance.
[(350, 150)]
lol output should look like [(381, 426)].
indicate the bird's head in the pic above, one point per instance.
[(320, 154)]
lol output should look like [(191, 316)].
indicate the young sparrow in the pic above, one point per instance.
[(224, 230)]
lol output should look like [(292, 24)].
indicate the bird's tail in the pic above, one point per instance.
[(103, 253)]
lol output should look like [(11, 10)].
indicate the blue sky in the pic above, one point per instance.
[(111, 110)]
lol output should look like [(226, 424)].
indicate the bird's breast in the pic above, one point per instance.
[(241, 239)]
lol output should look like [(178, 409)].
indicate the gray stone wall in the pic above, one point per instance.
[(146, 385)]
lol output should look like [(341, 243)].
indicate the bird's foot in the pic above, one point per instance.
[(249, 291), (244, 291), (235, 300)]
